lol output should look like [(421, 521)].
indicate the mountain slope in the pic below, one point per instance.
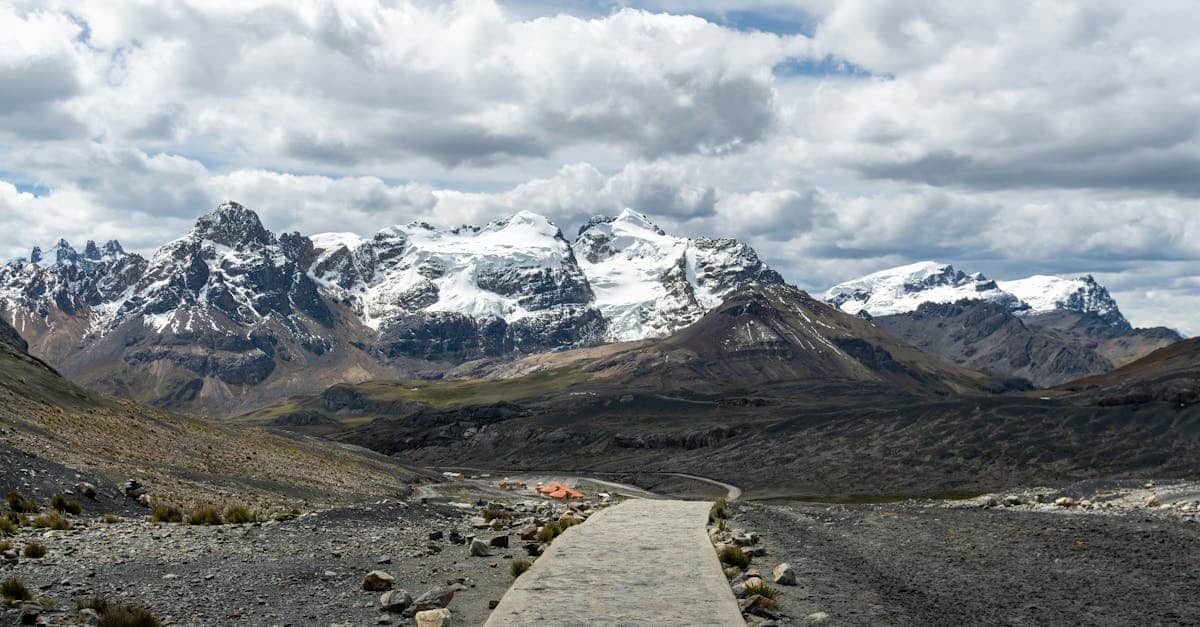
[(180, 459), (1169, 375)]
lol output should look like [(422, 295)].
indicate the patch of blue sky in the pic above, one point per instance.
[(823, 67)]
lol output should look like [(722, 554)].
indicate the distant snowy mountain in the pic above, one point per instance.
[(231, 306), (649, 284), (903, 289)]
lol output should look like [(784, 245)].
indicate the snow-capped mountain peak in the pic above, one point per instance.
[(1083, 294), (904, 288), (648, 283)]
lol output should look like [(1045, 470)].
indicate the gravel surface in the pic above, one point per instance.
[(307, 571), (916, 564)]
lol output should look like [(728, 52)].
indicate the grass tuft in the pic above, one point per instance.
[(53, 520), (13, 589), (719, 511), (60, 503), (7, 526), (128, 615), (111, 519), (762, 590), (34, 550), (20, 503), (734, 556), (519, 567), (166, 514), (205, 515), (239, 514)]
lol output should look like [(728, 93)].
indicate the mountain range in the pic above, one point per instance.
[(232, 317)]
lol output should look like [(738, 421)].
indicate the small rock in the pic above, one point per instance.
[(436, 535), (395, 601), (384, 559), (86, 489), (784, 575), (457, 538), (988, 501), (479, 548), (1064, 501), (493, 604), (30, 612), (1152, 501), (88, 616), (499, 542), (529, 532), (433, 618), (433, 599), (378, 581), (1012, 500), (817, 617)]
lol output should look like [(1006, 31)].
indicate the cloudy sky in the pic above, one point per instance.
[(838, 138)]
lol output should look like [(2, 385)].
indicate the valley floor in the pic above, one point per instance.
[(915, 564)]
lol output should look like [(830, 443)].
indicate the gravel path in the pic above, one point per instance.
[(909, 564), (643, 561)]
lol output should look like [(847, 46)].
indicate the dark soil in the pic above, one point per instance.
[(906, 564)]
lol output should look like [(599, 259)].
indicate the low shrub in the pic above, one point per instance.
[(205, 515), (166, 514), (13, 589), (34, 550), (734, 556), (20, 504), (238, 514), (7, 526), (53, 520), (518, 567), (60, 503)]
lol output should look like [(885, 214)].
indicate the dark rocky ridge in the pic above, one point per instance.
[(1047, 349)]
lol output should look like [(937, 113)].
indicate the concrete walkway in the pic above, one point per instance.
[(642, 561)]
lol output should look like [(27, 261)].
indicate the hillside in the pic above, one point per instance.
[(179, 458), (1168, 375)]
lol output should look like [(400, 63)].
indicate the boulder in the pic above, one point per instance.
[(433, 618), (479, 548), (378, 581), (784, 575), (395, 601)]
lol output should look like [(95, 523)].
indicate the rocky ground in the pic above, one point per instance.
[(305, 571), (925, 563)]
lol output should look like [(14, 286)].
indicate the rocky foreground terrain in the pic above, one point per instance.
[(926, 563), (375, 563)]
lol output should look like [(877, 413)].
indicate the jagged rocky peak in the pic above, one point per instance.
[(648, 283), (905, 288), (232, 225)]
